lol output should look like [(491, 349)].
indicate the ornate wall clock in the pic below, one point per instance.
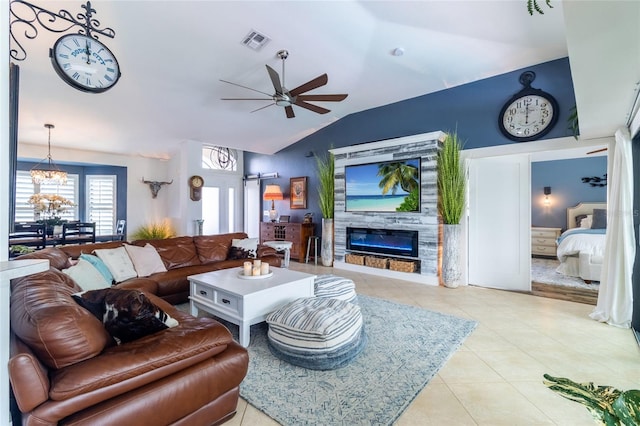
[(85, 63), (529, 114), (196, 183)]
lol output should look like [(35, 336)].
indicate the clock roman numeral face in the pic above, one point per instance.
[(85, 63)]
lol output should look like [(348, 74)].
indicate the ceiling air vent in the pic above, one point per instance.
[(254, 40)]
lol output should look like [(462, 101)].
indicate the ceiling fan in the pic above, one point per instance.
[(287, 98)]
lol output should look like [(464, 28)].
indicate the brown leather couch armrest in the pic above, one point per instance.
[(263, 251), (28, 376)]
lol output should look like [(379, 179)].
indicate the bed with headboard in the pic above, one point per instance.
[(581, 246)]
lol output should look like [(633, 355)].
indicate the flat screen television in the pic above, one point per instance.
[(388, 186)]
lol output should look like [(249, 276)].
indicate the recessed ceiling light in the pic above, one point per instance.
[(398, 51)]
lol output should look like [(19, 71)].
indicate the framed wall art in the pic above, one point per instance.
[(298, 196)]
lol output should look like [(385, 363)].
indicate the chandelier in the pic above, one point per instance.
[(46, 170)]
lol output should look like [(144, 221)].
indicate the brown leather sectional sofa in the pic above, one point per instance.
[(64, 368)]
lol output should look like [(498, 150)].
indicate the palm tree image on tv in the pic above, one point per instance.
[(392, 186)]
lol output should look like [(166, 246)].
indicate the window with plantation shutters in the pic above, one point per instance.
[(25, 188), (101, 203)]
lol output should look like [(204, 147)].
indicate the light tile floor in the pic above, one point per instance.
[(495, 378)]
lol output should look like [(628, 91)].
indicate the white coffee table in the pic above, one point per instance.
[(245, 302), (282, 246)]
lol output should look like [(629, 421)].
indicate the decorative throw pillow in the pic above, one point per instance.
[(599, 219), (118, 262), (99, 265), (127, 315), (246, 248), (146, 260), (586, 222), (87, 276)]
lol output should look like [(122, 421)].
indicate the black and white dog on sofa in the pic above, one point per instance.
[(126, 314)]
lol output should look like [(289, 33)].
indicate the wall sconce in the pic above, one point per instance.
[(273, 192), (547, 192)]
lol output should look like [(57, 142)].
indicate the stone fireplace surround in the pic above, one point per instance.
[(425, 146)]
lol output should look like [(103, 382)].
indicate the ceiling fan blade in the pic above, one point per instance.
[(266, 106), (310, 85), (275, 79), (247, 99), (325, 98), (289, 111), (245, 87), (311, 107)]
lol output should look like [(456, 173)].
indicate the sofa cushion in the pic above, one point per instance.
[(87, 276), (214, 248), (99, 265), (47, 319), (245, 248), (75, 250), (146, 260), (126, 314), (118, 262), (175, 252)]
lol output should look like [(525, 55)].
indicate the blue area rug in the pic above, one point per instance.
[(406, 348)]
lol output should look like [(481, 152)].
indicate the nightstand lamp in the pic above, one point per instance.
[(273, 192)]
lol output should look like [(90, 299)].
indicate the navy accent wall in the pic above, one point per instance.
[(567, 189), (471, 109)]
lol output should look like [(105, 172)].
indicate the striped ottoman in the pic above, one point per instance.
[(316, 333), (335, 287)]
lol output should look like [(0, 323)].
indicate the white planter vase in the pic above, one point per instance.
[(326, 251), (451, 273)]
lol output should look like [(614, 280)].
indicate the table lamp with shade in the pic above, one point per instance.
[(272, 192)]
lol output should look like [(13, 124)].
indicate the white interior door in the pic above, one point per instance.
[(499, 222), (252, 208)]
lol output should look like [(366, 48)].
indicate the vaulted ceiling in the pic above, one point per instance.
[(173, 55)]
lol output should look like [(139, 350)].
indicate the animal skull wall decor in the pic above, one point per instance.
[(155, 186)]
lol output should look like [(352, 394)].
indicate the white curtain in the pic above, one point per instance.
[(615, 298)]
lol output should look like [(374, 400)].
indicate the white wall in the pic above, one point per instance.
[(141, 208)]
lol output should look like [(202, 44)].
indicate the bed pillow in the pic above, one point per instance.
[(599, 219), (246, 248), (586, 221), (118, 262), (146, 260), (87, 276), (99, 265), (127, 315)]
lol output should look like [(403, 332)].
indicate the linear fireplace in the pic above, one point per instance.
[(383, 241)]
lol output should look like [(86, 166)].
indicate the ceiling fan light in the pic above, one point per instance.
[(283, 102)]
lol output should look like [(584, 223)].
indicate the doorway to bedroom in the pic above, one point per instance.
[(484, 249), (565, 190)]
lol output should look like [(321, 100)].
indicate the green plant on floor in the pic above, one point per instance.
[(326, 169), (533, 6), (154, 231), (609, 406), (451, 181)]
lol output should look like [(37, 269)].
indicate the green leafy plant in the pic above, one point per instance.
[(452, 180), (20, 249), (532, 5), (326, 194), (154, 231), (610, 406), (573, 122)]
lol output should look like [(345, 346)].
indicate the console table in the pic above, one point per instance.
[(296, 233)]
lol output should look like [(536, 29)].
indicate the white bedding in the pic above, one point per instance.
[(576, 240)]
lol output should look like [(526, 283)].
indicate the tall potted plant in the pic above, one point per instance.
[(452, 180), (326, 169)]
